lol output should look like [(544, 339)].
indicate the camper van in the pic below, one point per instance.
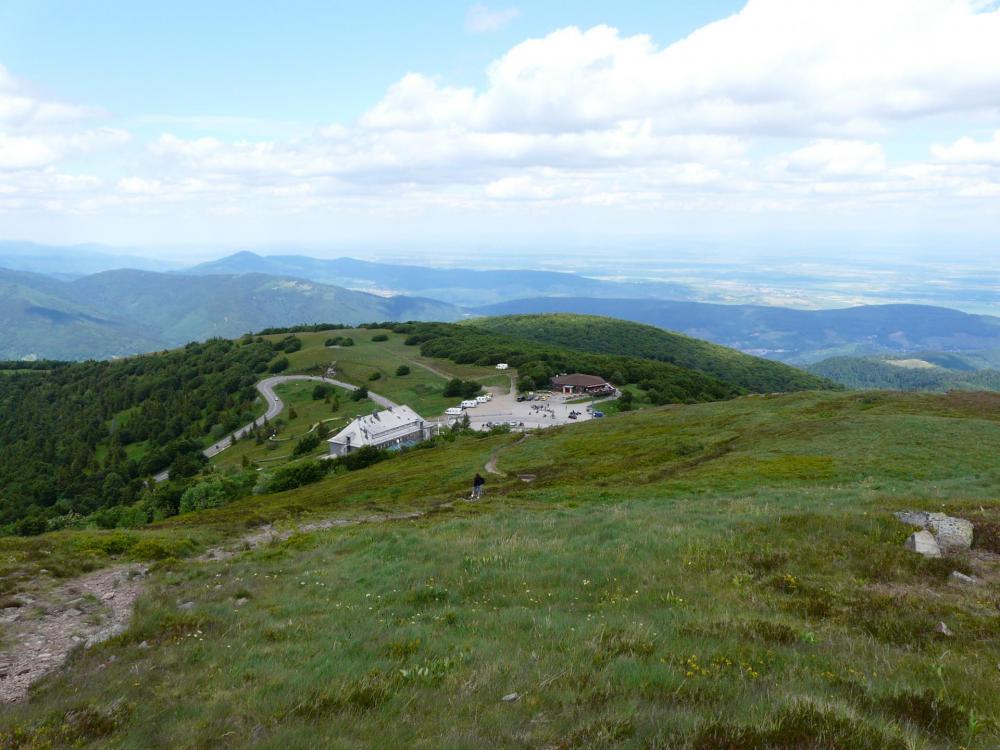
[(484, 399), (454, 411), (470, 404), (502, 366)]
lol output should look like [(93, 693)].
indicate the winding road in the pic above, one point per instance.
[(274, 407)]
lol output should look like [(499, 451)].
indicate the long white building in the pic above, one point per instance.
[(383, 429)]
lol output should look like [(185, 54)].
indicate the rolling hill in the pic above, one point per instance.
[(459, 286), (796, 336), (609, 336), (123, 312), (917, 372)]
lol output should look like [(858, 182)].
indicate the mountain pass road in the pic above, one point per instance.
[(274, 407)]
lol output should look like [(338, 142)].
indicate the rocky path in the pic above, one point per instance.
[(51, 621), (49, 624)]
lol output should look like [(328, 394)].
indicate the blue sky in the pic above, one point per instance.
[(780, 123)]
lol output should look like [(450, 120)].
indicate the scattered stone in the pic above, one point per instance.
[(923, 543), (108, 596), (74, 612), (241, 601), (144, 645), (952, 534), (942, 629), (511, 697), (186, 605), (959, 577)]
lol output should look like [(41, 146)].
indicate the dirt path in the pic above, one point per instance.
[(50, 622), (41, 633)]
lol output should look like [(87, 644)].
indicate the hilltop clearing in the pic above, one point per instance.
[(695, 576)]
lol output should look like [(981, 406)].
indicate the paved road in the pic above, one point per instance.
[(274, 407)]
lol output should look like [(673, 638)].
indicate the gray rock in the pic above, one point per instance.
[(144, 645), (186, 605), (923, 543), (952, 534), (959, 577), (241, 601), (511, 697), (942, 629)]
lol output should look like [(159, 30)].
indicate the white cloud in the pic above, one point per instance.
[(970, 151), (20, 107), (831, 158), (481, 19), (833, 67)]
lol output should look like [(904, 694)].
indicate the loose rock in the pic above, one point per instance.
[(511, 697), (923, 543), (942, 629), (959, 577), (952, 534)]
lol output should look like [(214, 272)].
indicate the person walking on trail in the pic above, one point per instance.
[(477, 487)]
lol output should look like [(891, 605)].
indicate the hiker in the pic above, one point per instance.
[(477, 487)]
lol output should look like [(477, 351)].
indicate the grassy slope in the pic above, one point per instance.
[(610, 336), (421, 389), (717, 575)]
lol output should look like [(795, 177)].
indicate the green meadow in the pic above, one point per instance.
[(721, 575)]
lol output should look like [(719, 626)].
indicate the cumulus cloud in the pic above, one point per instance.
[(970, 151), (786, 105), (481, 19), (831, 67)]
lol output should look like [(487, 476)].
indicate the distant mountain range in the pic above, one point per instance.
[(124, 312), (73, 261), (62, 314), (796, 336), (457, 286)]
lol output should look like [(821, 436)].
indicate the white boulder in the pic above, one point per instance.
[(923, 543)]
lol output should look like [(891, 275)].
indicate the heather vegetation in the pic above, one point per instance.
[(724, 575)]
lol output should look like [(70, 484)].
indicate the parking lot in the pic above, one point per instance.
[(533, 414)]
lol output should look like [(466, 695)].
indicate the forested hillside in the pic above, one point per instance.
[(610, 336), (904, 375), (536, 363), (75, 438)]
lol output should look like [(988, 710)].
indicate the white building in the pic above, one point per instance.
[(383, 429)]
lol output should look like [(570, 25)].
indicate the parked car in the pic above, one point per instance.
[(482, 399), (470, 404), (598, 414), (521, 398)]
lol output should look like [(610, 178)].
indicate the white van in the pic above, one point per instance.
[(483, 399), (470, 404), (502, 366), (454, 411)]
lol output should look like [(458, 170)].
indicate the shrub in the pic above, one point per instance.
[(279, 365), (321, 391), (360, 394), (375, 376), (402, 370), (380, 337), (307, 444)]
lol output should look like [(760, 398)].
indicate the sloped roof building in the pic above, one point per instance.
[(389, 428), (579, 383)]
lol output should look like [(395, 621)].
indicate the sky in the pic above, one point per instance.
[(815, 128)]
